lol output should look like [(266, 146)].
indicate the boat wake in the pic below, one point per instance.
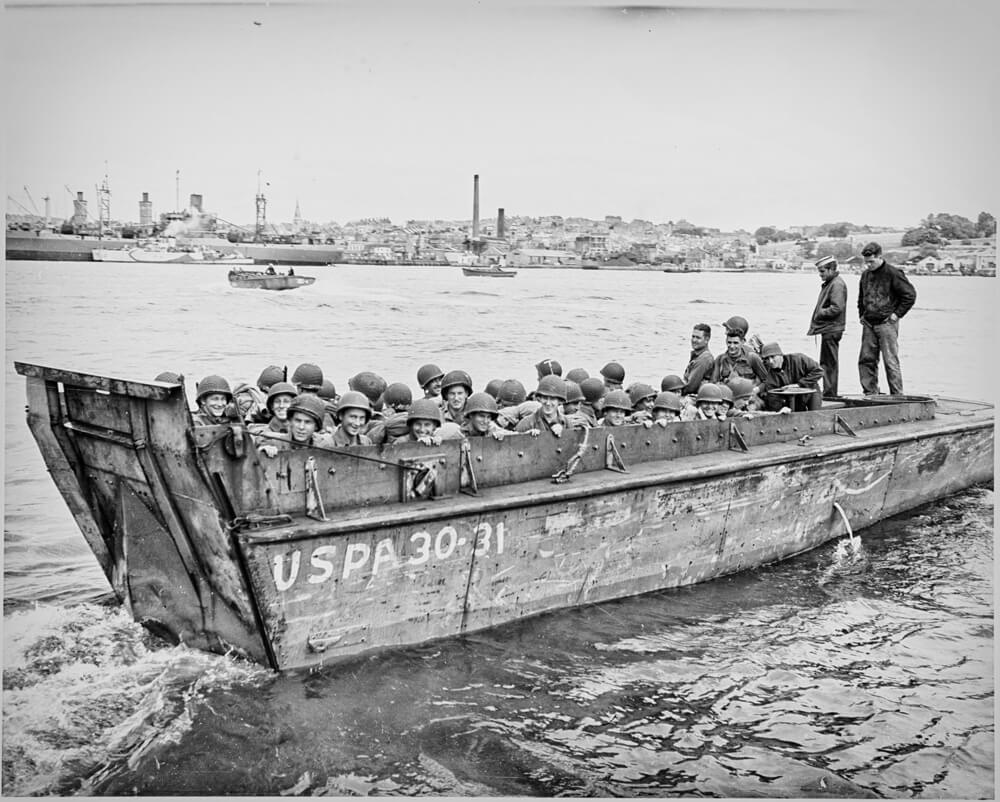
[(87, 692)]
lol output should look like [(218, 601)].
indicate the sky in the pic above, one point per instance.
[(733, 115)]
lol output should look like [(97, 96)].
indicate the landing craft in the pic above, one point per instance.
[(319, 554)]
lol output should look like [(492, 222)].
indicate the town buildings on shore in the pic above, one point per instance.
[(554, 241)]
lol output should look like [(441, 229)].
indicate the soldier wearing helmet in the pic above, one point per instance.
[(279, 399), (397, 398), (549, 417), (642, 397), (577, 375), (593, 390), (249, 401), (423, 421), (456, 387), (270, 376), (480, 417), (666, 409), (308, 378), (305, 417), (614, 376), (429, 378), (493, 388), (214, 399), (617, 408), (353, 414), (738, 360), (671, 383), (745, 399), (702, 362), (514, 404), (548, 367), (708, 403)]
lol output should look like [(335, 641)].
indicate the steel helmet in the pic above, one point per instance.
[(741, 388), (270, 375), (481, 402), (427, 374), (709, 392), (672, 383), (770, 349), (577, 375), (169, 377), (613, 372), (592, 389), (668, 400), (727, 394), (493, 388), (618, 399), (310, 405), (352, 399), (456, 377), (573, 393), (639, 392), (212, 384), (280, 388), (548, 367), (397, 393), (308, 375), (512, 393), (552, 385), (327, 390), (737, 324), (371, 384), (424, 409)]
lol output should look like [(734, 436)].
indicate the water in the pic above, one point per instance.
[(839, 673)]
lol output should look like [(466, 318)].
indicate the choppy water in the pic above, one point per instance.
[(828, 675)]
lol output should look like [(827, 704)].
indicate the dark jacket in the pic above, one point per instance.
[(698, 370), (882, 291), (795, 369), (830, 314)]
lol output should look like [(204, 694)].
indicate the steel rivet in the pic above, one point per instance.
[(698, 437), (673, 439), (795, 428), (559, 451), (594, 447), (520, 453), (479, 458), (777, 431), (762, 432), (330, 471), (649, 443)]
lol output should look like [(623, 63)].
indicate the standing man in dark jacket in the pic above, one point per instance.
[(699, 369), (828, 321), (885, 294)]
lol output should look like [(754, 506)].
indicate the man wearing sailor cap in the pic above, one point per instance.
[(828, 321)]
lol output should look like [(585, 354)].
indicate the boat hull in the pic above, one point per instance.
[(316, 555), (262, 281), (489, 272)]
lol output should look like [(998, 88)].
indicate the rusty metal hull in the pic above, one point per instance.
[(314, 556)]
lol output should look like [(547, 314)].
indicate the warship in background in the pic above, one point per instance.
[(189, 231)]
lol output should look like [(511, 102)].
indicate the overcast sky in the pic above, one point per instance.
[(727, 116)]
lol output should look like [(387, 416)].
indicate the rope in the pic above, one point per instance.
[(342, 452)]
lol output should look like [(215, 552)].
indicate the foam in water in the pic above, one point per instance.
[(87, 692)]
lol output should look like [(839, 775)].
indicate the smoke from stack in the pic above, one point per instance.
[(500, 223)]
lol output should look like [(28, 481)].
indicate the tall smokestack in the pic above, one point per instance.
[(196, 202), (500, 222), (145, 211), (475, 208), (79, 211)]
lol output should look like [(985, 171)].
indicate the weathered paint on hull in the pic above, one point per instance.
[(316, 555), (271, 282), (328, 597), (58, 248)]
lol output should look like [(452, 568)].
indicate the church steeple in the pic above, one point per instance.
[(297, 220)]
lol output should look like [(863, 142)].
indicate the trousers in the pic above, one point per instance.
[(880, 340), (829, 360)]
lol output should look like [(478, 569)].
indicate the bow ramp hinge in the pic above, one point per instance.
[(840, 424), (613, 459), (564, 474)]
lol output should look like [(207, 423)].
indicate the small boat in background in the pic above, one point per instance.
[(489, 270), (268, 279)]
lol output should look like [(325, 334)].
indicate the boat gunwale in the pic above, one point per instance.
[(601, 483)]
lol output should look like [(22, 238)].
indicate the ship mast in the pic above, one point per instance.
[(104, 204), (261, 212)]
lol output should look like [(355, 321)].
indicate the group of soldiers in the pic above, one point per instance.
[(748, 378), (307, 410)]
